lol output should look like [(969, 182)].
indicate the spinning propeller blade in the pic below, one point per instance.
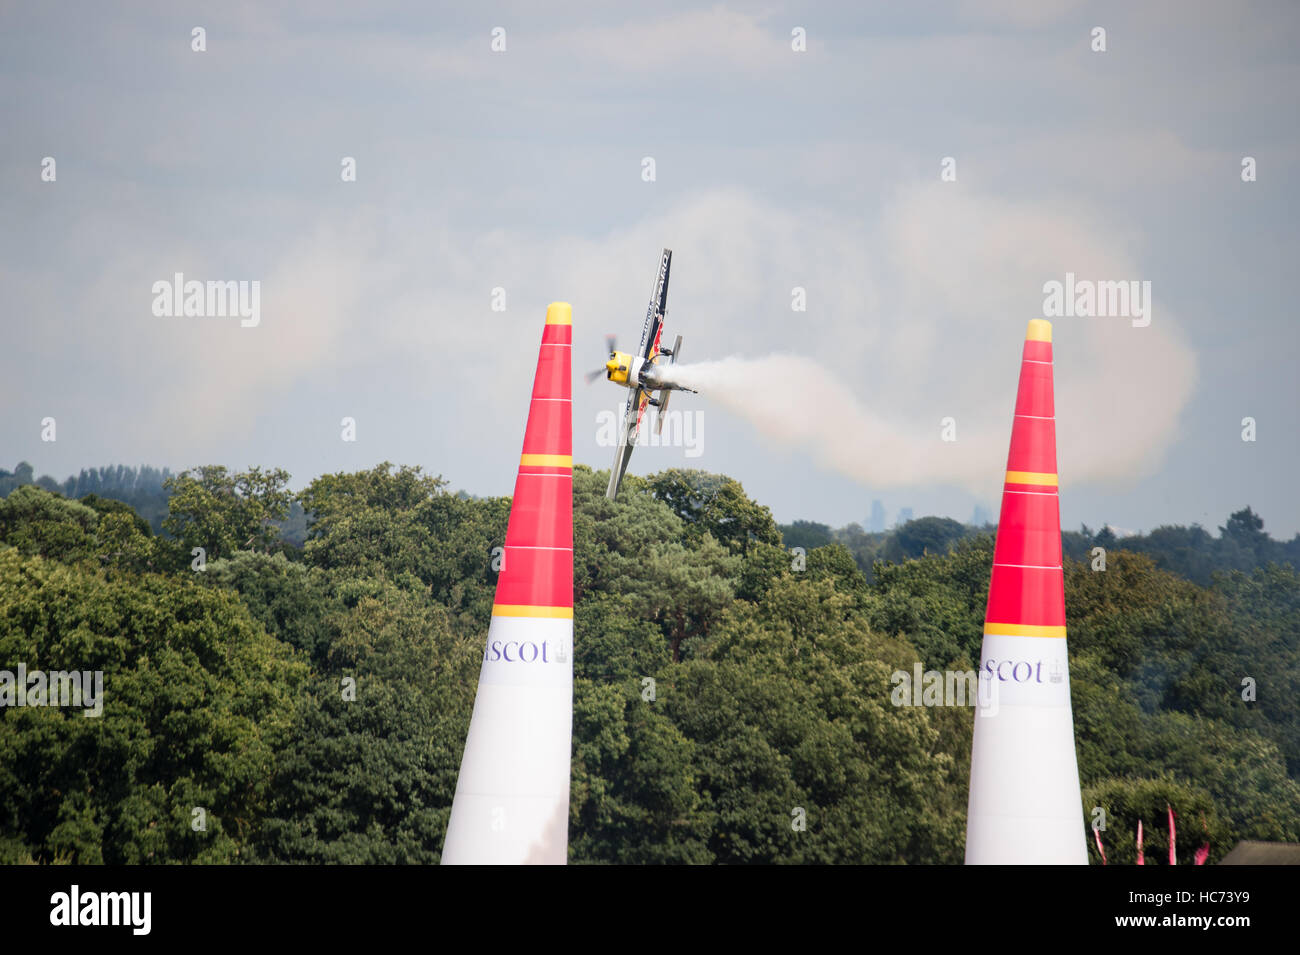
[(611, 343)]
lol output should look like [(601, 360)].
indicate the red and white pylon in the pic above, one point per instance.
[(512, 795), (1025, 805)]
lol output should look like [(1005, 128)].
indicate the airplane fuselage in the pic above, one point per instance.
[(643, 376), (633, 371)]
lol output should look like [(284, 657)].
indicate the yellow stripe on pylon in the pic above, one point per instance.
[(1022, 630), (546, 460), (1032, 477), (523, 610), (559, 313)]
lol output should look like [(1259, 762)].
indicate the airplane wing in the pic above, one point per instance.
[(652, 331), (637, 399), (622, 455), (654, 316)]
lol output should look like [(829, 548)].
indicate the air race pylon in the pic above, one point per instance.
[(512, 796), (1025, 806)]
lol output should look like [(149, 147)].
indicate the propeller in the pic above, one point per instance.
[(611, 345)]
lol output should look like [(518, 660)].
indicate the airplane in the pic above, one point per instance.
[(641, 374)]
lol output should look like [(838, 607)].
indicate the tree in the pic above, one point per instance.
[(1245, 544), (937, 603), (925, 535), (295, 603), (196, 701), (806, 534), (802, 755), (403, 526), (371, 776), (715, 504), (685, 589), (223, 512), (731, 703), (1126, 801), (635, 795), (38, 522)]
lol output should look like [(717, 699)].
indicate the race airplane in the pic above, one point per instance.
[(642, 375)]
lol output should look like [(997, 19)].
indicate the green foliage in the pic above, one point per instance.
[(715, 504), (95, 530), (371, 774), (1191, 552), (635, 793), (802, 756), (402, 525), (1141, 618), (295, 603), (1126, 801), (762, 566), (223, 512), (197, 702), (938, 603), (926, 535), (1264, 607), (806, 534), (731, 697), (142, 490), (38, 522), (21, 475)]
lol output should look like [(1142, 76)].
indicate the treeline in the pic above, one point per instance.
[(269, 703), (146, 489), (143, 488), (1191, 552)]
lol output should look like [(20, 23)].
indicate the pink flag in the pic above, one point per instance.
[(1102, 852), (1172, 859), (1141, 854), (1204, 851)]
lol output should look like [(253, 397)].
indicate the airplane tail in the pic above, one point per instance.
[(667, 392)]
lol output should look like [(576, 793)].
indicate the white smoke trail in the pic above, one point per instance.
[(794, 401)]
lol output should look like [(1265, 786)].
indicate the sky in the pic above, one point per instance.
[(920, 171)]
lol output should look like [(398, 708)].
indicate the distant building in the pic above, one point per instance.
[(1250, 852), (904, 515), (980, 517), (876, 522)]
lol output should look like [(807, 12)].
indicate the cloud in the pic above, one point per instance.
[(704, 40), (913, 317), (916, 319)]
